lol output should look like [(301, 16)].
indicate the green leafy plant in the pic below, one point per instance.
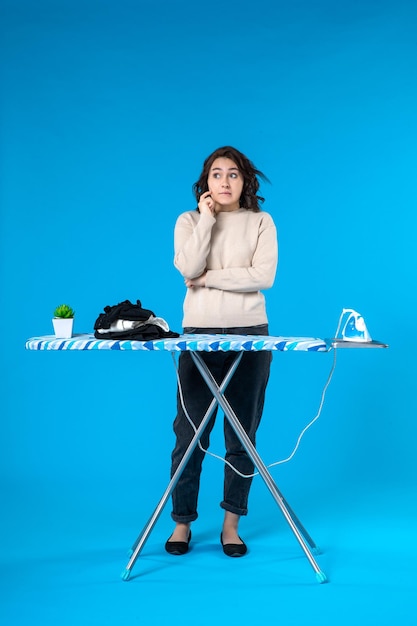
[(64, 311)]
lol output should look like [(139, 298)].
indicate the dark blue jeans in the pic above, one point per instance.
[(246, 394)]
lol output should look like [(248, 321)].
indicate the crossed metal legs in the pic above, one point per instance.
[(304, 539)]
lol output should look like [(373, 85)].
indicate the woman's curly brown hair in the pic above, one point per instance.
[(249, 199)]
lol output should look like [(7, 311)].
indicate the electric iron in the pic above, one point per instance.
[(352, 327)]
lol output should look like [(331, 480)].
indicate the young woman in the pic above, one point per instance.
[(227, 252)]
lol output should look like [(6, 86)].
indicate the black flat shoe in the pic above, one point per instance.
[(234, 549), (178, 547)]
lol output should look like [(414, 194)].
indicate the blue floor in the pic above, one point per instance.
[(64, 550)]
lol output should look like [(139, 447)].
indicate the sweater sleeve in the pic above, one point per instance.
[(192, 244), (260, 274)]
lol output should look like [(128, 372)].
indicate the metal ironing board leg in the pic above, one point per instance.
[(313, 546), (293, 522), (147, 529)]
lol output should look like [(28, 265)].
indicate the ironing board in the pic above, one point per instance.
[(196, 344)]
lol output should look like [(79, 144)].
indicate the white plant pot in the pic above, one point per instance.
[(63, 327)]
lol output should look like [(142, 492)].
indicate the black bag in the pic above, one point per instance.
[(129, 312)]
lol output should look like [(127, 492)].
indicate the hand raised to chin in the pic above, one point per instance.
[(206, 204)]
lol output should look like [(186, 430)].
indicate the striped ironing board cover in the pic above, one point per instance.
[(195, 343)]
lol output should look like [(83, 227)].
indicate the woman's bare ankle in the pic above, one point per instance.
[(230, 528), (181, 532)]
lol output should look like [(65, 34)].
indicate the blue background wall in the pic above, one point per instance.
[(107, 112)]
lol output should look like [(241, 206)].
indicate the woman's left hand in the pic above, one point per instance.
[(196, 282)]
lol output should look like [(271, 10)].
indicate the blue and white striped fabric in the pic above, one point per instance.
[(195, 343)]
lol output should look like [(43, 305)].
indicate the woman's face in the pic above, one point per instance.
[(225, 183)]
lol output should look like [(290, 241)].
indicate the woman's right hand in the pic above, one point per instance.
[(206, 204)]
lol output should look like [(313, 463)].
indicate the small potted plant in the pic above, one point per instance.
[(63, 321)]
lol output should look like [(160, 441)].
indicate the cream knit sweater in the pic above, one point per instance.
[(238, 250)]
